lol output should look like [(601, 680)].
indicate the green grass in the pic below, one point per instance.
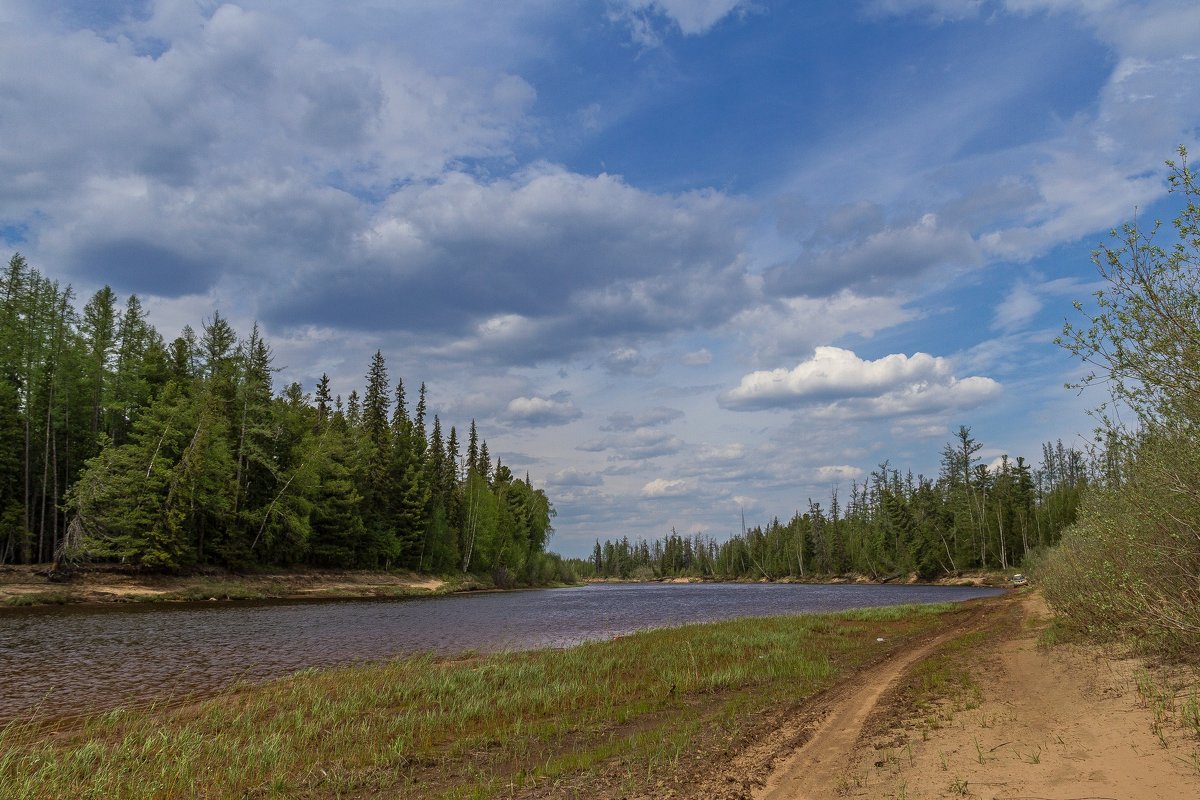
[(638, 708), (38, 599)]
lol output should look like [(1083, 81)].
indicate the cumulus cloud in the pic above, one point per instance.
[(838, 472), (788, 327), (211, 134), (544, 263), (846, 385), (665, 487), (238, 147), (879, 262), (541, 411), (629, 361)]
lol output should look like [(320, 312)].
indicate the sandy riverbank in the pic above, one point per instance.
[(1009, 720), (28, 585)]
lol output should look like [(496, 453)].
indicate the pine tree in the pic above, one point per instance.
[(473, 450), (324, 403), (377, 484), (99, 329)]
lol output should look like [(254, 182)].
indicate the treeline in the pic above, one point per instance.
[(1130, 569), (117, 445), (970, 517)]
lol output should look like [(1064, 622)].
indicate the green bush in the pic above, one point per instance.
[(1130, 568)]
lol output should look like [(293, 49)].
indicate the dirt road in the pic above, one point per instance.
[(1060, 724)]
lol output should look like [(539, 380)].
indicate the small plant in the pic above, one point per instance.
[(1157, 728), (958, 787), (1033, 758), (979, 749), (1190, 713)]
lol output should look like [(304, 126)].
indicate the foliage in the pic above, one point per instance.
[(169, 456), (1130, 569), (1143, 340)]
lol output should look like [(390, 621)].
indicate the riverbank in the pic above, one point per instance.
[(643, 714), (22, 586), (956, 700), (990, 578), (28, 585), (1006, 711)]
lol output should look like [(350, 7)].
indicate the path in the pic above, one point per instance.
[(1059, 724)]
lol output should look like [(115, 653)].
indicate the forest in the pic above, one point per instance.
[(970, 517), (116, 445)]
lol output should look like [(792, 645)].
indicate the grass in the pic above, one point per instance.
[(636, 712), (39, 599), (943, 683), (1171, 704)]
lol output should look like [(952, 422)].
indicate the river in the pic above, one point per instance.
[(70, 660)]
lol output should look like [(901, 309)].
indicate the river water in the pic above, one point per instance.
[(70, 660)]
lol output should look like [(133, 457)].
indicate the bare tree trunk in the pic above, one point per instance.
[(54, 505), (41, 554), (25, 543)]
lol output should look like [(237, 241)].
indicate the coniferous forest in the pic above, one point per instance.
[(118, 445), (970, 517)]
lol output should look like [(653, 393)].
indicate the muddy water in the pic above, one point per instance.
[(67, 660)]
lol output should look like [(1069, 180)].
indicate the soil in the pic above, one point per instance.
[(29, 585), (1057, 723)]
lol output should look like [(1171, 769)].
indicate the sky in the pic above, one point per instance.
[(679, 259)]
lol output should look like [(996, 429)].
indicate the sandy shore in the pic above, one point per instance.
[(1050, 723), (28, 586)]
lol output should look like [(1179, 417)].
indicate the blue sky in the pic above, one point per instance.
[(676, 257)]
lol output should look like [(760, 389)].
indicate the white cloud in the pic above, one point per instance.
[(697, 358), (791, 326), (629, 361), (1017, 309), (636, 445), (834, 373), (631, 421), (544, 263), (746, 503), (955, 394), (849, 386), (664, 487), (936, 10), (541, 411), (691, 17), (880, 261), (1101, 163), (574, 477), (839, 472)]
